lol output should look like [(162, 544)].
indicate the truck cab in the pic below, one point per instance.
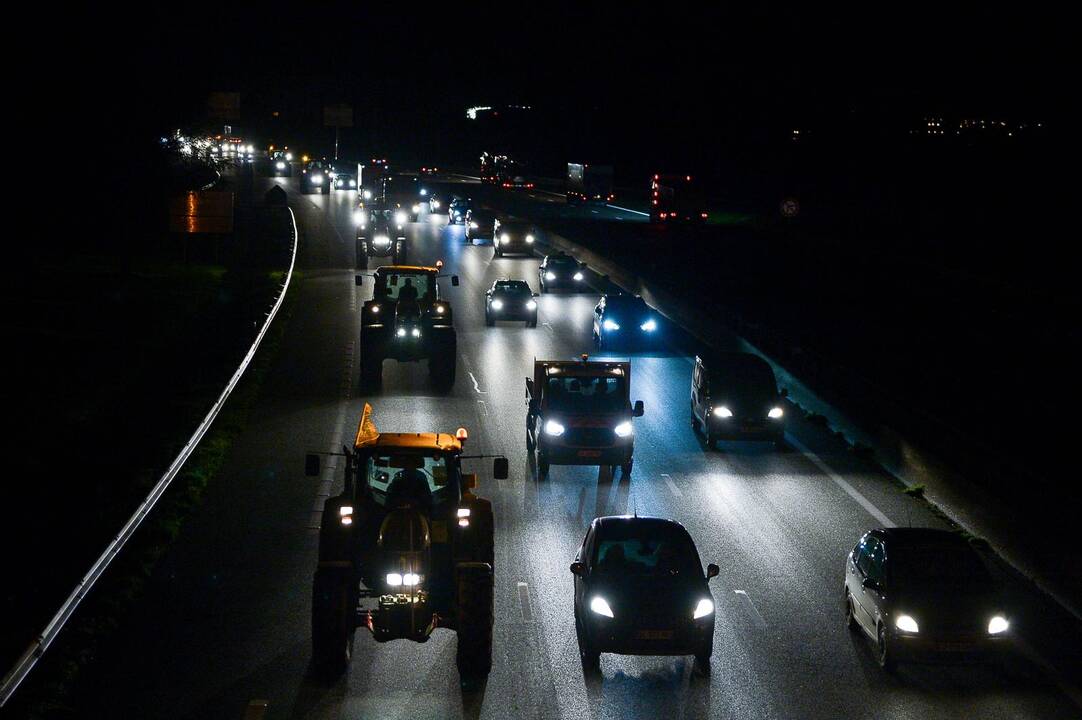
[(676, 199), (579, 413)]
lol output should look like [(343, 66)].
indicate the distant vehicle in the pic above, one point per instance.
[(408, 321), (281, 164), (479, 224), (560, 270), (923, 594), (379, 234), (429, 170), (579, 413), (674, 198), (343, 175), (494, 168), (513, 236), (405, 548), (510, 300), (734, 396), (626, 320), (316, 177), (589, 183), (640, 590), (457, 210)]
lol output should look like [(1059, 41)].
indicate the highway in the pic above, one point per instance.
[(226, 620)]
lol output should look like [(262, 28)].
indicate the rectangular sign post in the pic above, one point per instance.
[(337, 116)]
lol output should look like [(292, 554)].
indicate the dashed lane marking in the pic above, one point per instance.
[(840, 482), (524, 605), (759, 621), (476, 386), (637, 212), (672, 486)]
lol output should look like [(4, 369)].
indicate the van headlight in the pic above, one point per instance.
[(703, 608), (906, 623), (577, 276), (400, 218), (623, 430), (497, 304), (776, 413), (997, 625), (649, 326), (280, 165), (505, 238), (600, 606), (531, 305), (723, 412), (610, 325), (553, 428), (550, 275), (529, 239)]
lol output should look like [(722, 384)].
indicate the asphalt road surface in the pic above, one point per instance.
[(226, 620)]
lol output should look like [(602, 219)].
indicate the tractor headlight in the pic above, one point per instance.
[(381, 240), (703, 608), (411, 579), (416, 332), (601, 606), (553, 428), (394, 579), (317, 179), (401, 332), (367, 194), (623, 430), (400, 218), (280, 165), (723, 412)]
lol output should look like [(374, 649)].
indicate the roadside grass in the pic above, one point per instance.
[(132, 358)]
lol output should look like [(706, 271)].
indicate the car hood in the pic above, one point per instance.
[(745, 402), (632, 596), (949, 607)]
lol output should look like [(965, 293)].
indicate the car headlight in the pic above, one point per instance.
[(280, 165), (367, 194), (529, 239), (997, 625), (905, 623), (416, 208), (440, 310), (353, 183), (497, 304), (317, 179), (505, 238), (623, 429), (531, 305), (577, 276), (401, 332), (550, 275), (703, 608), (600, 606), (423, 192), (375, 308), (610, 325), (381, 240), (775, 413), (554, 429), (723, 412), (416, 332), (400, 217), (649, 326), (473, 225)]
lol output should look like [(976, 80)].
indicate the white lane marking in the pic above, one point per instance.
[(637, 212), (476, 386), (672, 486), (759, 621), (482, 408), (524, 605), (548, 327), (840, 482)]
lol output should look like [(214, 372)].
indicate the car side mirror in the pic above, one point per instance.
[(359, 280), (500, 468), (712, 571), (469, 481), (578, 568), (784, 392), (637, 411), (311, 465), (454, 280)]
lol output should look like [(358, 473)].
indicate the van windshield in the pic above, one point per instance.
[(586, 394)]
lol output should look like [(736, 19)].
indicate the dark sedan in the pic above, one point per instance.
[(923, 594), (510, 300), (512, 236), (560, 271), (734, 396), (625, 320), (479, 224), (640, 590)]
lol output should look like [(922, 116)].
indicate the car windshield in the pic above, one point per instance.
[(561, 262), (937, 564), (653, 549), (511, 287), (621, 304), (745, 378), (586, 393), (425, 479), (391, 284)]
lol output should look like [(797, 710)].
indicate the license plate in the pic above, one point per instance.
[(653, 635), (589, 453), (953, 646)]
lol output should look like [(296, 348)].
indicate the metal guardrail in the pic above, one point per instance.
[(41, 643)]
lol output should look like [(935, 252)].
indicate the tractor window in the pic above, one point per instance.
[(421, 478), (391, 285)]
